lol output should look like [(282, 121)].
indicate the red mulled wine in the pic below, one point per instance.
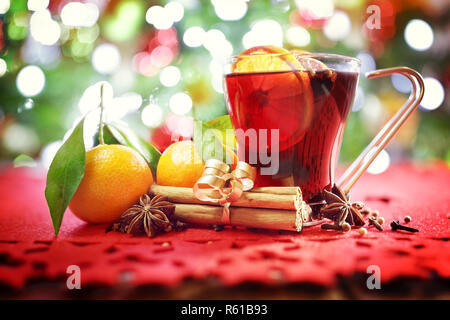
[(307, 110)]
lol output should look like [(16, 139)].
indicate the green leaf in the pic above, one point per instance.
[(65, 175), (221, 123), (224, 130), (24, 160), (108, 137), (116, 133), (211, 137)]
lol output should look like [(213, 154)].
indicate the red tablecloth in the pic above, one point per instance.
[(28, 249)]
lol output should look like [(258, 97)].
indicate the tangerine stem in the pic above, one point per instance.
[(101, 124)]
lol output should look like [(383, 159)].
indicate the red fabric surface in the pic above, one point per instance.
[(28, 249)]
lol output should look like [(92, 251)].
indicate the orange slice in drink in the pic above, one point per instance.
[(312, 65), (281, 86), (265, 59), (268, 59)]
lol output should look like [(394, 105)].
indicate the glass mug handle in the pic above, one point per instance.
[(359, 166)]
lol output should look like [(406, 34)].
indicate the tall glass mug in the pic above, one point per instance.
[(289, 121)]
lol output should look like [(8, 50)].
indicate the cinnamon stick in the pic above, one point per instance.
[(276, 190), (240, 216), (266, 197)]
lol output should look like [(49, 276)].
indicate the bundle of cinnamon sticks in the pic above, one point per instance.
[(277, 208)]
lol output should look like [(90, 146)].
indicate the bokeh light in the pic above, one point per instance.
[(36, 5), (194, 36), (159, 18), (4, 6), (143, 64), (419, 35), (29, 104), (34, 52), (170, 76), (152, 115), (359, 99), (43, 28), (401, 83), (217, 44), (78, 14), (180, 125), (175, 10), (161, 56), (30, 81), (106, 58), (3, 67), (316, 9), (298, 36), (434, 94), (180, 103), (338, 26), (88, 34), (380, 164), (264, 32), (163, 18), (372, 111), (230, 10), (367, 62), (18, 138)]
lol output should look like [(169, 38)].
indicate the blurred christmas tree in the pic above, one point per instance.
[(164, 60)]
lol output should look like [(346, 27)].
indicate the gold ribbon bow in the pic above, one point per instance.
[(228, 187)]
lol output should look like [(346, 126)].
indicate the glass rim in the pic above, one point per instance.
[(339, 57)]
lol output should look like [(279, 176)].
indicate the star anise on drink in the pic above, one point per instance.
[(151, 216), (340, 209)]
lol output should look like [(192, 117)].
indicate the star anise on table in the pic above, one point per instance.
[(150, 216), (340, 209)]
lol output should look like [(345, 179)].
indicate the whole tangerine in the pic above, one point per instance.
[(180, 165), (115, 177)]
